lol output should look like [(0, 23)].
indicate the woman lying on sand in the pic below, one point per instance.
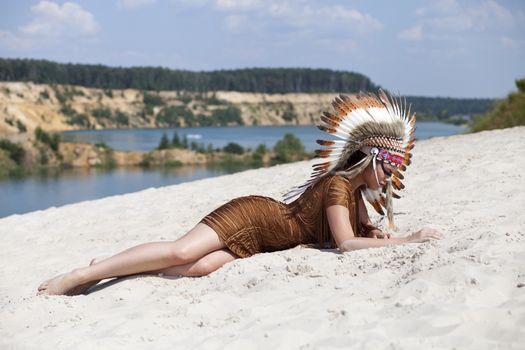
[(376, 136)]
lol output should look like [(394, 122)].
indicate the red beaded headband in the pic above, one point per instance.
[(390, 157)]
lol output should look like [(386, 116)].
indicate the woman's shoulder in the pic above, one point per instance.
[(337, 180)]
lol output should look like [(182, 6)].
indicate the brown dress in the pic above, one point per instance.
[(255, 224)]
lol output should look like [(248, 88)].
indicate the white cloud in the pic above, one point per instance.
[(491, 13), (485, 15), (510, 43), (313, 17), (237, 5), (455, 16), (443, 20), (447, 6), (412, 34), (54, 23), (133, 4), (14, 42), (51, 19), (235, 23), (298, 14)]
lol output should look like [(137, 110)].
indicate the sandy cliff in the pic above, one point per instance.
[(58, 108)]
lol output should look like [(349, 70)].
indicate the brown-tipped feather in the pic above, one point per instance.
[(331, 122), (344, 97), (322, 166), (352, 105), (382, 201), (323, 153), (399, 175), (325, 142), (377, 207), (327, 129), (332, 116), (369, 101), (398, 185), (395, 195), (340, 107)]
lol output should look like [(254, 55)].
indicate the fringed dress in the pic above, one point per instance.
[(256, 224)]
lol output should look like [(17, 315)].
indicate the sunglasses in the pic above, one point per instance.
[(386, 172)]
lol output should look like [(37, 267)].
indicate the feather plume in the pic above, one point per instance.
[(381, 120), (390, 208)]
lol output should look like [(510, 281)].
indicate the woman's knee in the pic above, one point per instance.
[(203, 267), (179, 254)]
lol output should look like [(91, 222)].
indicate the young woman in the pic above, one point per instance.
[(376, 137)]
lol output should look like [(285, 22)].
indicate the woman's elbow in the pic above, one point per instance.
[(349, 245)]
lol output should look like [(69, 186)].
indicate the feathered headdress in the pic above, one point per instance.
[(380, 126)]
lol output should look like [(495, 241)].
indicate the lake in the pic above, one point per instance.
[(56, 188), (148, 139)]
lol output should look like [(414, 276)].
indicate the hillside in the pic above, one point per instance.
[(25, 105), (57, 107), (507, 113)]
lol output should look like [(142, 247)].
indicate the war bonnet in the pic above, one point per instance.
[(382, 127)]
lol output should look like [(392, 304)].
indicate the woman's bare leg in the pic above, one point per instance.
[(81, 288), (202, 267), (147, 257)]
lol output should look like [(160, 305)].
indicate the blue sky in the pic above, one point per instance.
[(458, 48)]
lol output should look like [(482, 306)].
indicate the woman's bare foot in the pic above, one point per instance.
[(66, 284)]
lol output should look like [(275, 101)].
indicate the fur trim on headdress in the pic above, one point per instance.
[(379, 125)]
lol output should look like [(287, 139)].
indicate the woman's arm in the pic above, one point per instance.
[(368, 229), (341, 228)]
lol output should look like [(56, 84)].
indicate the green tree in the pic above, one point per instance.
[(225, 116), (288, 149), (520, 84), (233, 148), (14, 150), (506, 114), (170, 115), (44, 94), (164, 142), (21, 126), (289, 113), (152, 100), (259, 152), (52, 141), (175, 141), (102, 113), (122, 118)]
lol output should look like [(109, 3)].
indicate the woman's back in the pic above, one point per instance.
[(254, 224)]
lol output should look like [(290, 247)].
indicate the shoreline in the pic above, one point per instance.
[(466, 291)]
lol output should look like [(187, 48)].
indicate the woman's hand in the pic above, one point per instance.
[(424, 235)]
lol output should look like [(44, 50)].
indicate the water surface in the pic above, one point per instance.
[(56, 188)]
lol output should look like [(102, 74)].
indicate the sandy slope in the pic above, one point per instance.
[(462, 292)]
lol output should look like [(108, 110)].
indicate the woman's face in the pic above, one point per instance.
[(384, 172)]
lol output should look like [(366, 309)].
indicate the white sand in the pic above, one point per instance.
[(460, 293)]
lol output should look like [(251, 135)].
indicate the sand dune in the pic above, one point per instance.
[(465, 292)]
